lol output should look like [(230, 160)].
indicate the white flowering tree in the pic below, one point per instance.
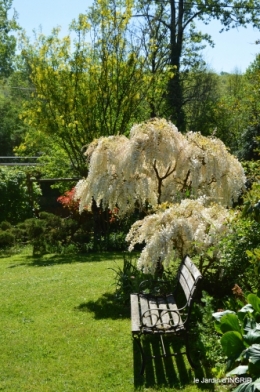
[(188, 227), (158, 165)]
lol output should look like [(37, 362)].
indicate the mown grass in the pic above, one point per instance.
[(61, 330)]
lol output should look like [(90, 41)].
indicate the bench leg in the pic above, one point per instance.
[(192, 364), (137, 339)]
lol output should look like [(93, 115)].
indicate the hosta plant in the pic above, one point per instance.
[(241, 342)]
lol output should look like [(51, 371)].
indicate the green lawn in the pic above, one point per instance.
[(61, 330)]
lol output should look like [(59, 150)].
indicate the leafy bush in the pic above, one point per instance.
[(238, 250), (16, 204), (7, 239), (44, 232), (208, 344), (127, 279), (249, 143), (241, 341), (52, 234), (252, 203), (108, 230), (235, 264), (5, 225)]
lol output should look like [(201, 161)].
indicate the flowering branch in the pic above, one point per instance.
[(160, 179)]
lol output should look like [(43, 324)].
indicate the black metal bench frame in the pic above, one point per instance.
[(159, 314)]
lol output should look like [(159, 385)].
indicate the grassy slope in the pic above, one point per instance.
[(61, 330)]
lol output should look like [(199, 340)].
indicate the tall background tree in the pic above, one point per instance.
[(178, 19), (10, 97), (120, 70), (7, 39), (83, 91)]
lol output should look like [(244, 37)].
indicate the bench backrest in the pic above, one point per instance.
[(188, 278)]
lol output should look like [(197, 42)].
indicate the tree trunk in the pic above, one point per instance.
[(175, 93)]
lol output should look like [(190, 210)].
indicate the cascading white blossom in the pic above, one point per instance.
[(103, 181), (158, 164), (183, 228)]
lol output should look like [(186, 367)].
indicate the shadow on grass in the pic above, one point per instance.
[(170, 372), (54, 259), (105, 307)]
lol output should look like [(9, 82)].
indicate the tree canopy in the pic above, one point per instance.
[(83, 91), (158, 164), (161, 171), (182, 40), (7, 40)]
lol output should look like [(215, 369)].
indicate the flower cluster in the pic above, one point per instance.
[(189, 226), (157, 164)]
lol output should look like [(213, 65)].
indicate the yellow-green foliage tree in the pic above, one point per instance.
[(249, 144), (85, 90), (237, 111), (231, 118)]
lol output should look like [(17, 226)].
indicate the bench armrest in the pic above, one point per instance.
[(162, 319)]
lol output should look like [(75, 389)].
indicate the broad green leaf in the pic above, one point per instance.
[(253, 354), (249, 324), (217, 327), (229, 322), (218, 320), (253, 336), (242, 369), (218, 315), (257, 384), (254, 300), (232, 344), (246, 387), (247, 308)]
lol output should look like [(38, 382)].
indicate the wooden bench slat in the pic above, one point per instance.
[(184, 286), (153, 305), (144, 307), (188, 277), (175, 315), (135, 314), (194, 270), (165, 316)]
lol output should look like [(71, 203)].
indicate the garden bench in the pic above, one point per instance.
[(161, 313)]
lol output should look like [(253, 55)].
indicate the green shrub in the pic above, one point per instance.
[(16, 204), (208, 344), (7, 239), (5, 225), (241, 341), (238, 249), (42, 232), (116, 241), (128, 279), (20, 234), (50, 233)]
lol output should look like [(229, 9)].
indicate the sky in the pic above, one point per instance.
[(234, 50)]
